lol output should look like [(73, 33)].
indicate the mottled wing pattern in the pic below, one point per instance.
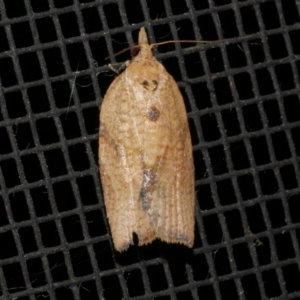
[(145, 156), (171, 210), (120, 167)]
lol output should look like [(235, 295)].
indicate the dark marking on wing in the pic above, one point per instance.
[(150, 85), (148, 184), (153, 113)]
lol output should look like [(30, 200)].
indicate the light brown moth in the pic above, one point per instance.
[(145, 155)]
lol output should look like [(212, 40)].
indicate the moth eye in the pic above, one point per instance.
[(153, 51), (135, 51)]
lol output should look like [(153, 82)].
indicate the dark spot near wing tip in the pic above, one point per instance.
[(143, 198), (149, 177), (143, 193), (148, 183), (155, 82), (145, 83), (153, 113)]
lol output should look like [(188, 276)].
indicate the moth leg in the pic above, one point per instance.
[(120, 68)]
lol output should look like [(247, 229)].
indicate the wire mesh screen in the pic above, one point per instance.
[(242, 97)]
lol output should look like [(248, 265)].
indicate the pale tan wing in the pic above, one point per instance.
[(121, 166), (145, 156), (169, 194)]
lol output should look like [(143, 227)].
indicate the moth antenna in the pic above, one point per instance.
[(184, 41), (160, 43), (120, 52), (178, 41), (201, 41)]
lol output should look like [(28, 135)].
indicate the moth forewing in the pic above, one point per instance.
[(145, 155)]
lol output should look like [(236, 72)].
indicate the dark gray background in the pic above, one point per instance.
[(241, 94)]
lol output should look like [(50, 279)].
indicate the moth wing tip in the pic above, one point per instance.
[(122, 247), (182, 239), (146, 239), (143, 239)]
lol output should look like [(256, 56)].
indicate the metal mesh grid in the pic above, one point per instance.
[(243, 108)]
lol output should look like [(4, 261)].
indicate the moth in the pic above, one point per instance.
[(145, 155)]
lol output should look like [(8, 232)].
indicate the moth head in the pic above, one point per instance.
[(137, 49)]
